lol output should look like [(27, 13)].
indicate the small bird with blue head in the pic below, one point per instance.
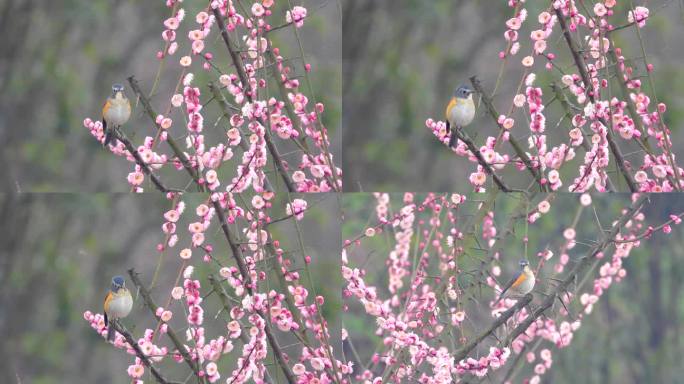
[(118, 304), (521, 284), (115, 112), (460, 111)]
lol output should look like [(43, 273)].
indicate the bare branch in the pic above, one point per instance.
[(516, 146), (174, 146), (463, 136), (463, 352), (139, 160), (149, 303), (138, 352)]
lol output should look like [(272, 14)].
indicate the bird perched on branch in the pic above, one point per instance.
[(459, 112), (115, 112), (521, 284), (117, 304)]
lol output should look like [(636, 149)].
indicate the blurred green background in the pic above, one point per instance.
[(63, 56), (633, 335), (402, 60), (58, 253)]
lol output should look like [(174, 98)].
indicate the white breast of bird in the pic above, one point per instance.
[(119, 112), (463, 113), (120, 306)]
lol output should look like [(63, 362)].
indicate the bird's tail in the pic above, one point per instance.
[(109, 135), (111, 332), (452, 138)]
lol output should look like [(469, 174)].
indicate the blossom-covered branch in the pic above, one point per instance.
[(257, 123), (602, 126), (433, 281)]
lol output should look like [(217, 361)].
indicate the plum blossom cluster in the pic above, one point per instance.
[(254, 313), (410, 320), (232, 151), (479, 367), (428, 290), (601, 117)]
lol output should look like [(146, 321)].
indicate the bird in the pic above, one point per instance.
[(117, 304), (115, 112), (521, 284), (460, 111)]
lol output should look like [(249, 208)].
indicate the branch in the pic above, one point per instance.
[(145, 294), (463, 352), (237, 61), (579, 268), (139, 160), (138, 352), (516, 146), (463, 136), (581, 66), (174, 146), (247, 281)]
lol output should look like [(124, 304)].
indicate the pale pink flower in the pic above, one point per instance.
[(136, 371), (298, 369), (478, 178), (544, 206), (257, 10), (528, 61), (569, 234), (185, 61), (600, 10), (639, 15), (186, 253)]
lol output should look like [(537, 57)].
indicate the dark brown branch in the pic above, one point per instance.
[(149, 303), (138, 352), (139, 160), (581, 266), (463, 136), (581, 67), (237, 61), (247, 281), (463, 352), (519, 151), (172, 143)]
